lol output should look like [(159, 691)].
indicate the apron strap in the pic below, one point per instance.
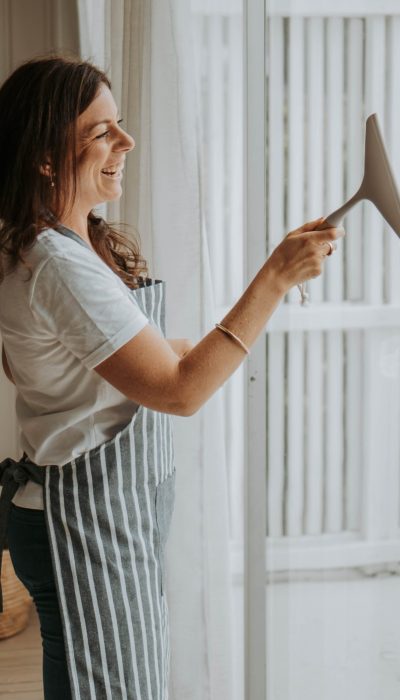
[(13, 475)]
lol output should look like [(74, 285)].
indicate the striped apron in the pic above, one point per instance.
[(108, 514)]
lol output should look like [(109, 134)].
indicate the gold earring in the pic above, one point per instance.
[(51, 180)]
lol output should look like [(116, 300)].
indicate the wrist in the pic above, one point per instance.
[(276, 283)]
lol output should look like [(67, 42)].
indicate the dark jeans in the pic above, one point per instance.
[(30, 553)]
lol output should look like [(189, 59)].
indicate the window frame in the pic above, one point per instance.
[(255, 477)]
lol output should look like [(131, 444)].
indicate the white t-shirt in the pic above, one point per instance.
[(56, 327)]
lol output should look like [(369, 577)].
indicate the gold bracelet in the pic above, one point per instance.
[(226, 330)]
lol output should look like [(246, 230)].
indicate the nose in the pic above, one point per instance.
[(126, 142)]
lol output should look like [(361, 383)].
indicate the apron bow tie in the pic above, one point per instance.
[(13, 474)]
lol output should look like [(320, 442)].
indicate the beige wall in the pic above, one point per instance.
[(28, 28)]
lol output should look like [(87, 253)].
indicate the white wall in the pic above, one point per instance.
[(29, 28)]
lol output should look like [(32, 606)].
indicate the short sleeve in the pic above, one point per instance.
[(86, 306)]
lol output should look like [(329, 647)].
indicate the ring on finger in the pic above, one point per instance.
[(332, 247)]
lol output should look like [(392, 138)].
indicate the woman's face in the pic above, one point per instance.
[(102, 146)]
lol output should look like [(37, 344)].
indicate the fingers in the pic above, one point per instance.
[(308, 226), (325, 234), (317, 246), (311, 225), (328, 234), (301, 254)]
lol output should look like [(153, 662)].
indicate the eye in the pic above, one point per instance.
[(100, 136)]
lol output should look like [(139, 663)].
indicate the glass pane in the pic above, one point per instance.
[(333, 540)]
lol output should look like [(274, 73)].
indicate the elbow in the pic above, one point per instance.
[(180, 407), (177, 408), (187, 409), (189, 404)]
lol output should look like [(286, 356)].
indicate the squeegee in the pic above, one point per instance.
[(378, 185)]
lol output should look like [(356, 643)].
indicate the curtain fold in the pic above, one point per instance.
[(148, 50)]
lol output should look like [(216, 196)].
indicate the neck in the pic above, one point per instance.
[(78, 223)]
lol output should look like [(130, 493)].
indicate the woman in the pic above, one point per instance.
[(83, 340)]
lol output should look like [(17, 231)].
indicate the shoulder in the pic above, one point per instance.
[(48, 246), (59, 268), (50, 243), (66, 270), (56, 255)]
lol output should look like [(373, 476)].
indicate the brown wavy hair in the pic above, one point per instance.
[(39, 105)]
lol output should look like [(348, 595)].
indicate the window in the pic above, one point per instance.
[(333, 535)]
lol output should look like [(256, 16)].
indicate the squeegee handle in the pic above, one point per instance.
[(335, 219)]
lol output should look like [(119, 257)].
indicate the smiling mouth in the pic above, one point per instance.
[(114, 176), (113, 172)]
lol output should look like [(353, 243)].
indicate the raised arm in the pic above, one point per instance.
[(147, 370)]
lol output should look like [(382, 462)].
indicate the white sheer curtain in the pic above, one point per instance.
[(147, 47)]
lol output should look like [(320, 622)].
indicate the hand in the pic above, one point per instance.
[(180, 346), (301, 254)]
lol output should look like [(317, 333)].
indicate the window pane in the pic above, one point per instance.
[(333, 538)]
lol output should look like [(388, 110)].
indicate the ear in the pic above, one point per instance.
[(45, 169)]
